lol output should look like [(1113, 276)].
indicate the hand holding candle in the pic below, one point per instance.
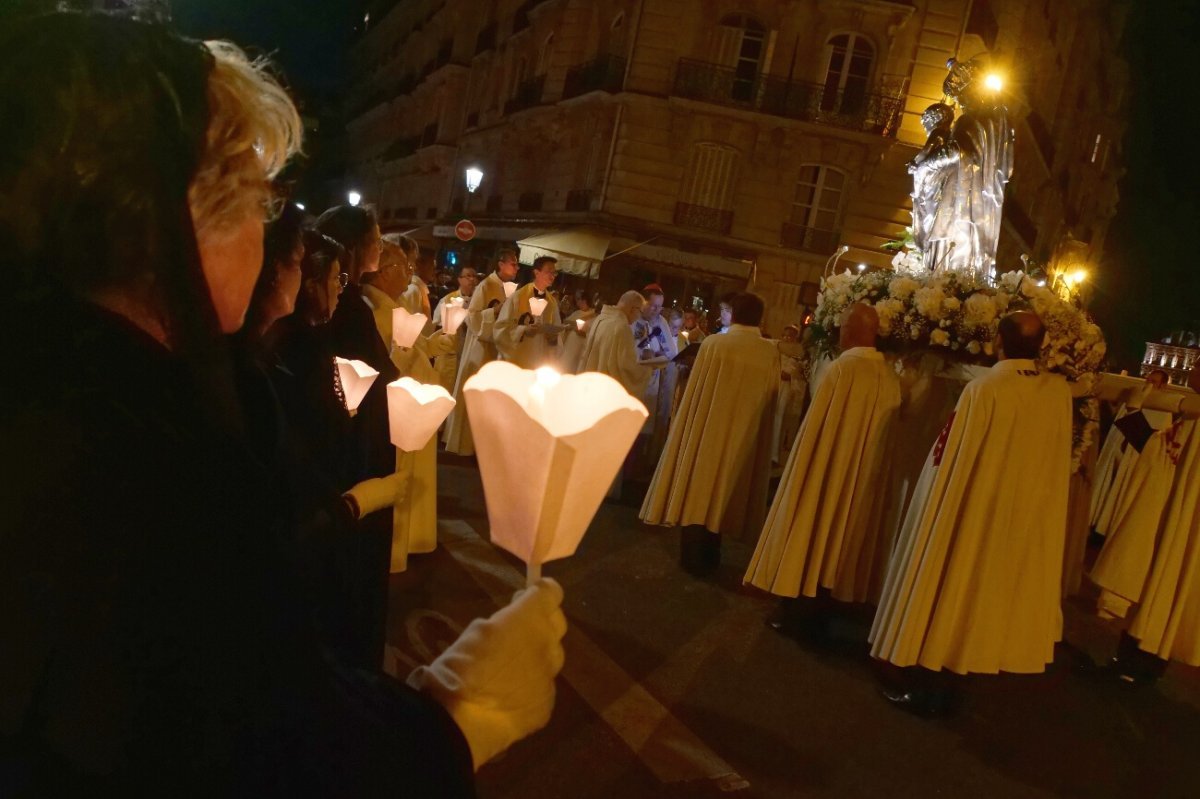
[(415, 411), (356, 378), (406, 327), (570, 433)]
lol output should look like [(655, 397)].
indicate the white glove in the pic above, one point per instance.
[(376, 494), (497, 679)]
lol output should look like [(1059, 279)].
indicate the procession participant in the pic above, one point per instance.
[(154, 638), (725, 314), (524, 339), (478, 346), (416, 297), (793, 389), (1166, 623), (414, 509), (691, 326), (825, 527), (609, 346), (652, 335), (574, 338), (714, 472), (447, 365), (1117, 458), (975, 579)]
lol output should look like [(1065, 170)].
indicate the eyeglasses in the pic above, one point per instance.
[(343, 279)]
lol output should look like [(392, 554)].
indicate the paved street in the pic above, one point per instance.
[(675, 687)]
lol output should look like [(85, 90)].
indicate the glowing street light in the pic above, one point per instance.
[(993, 81), (301, 206), (474, 177), (862, 267), (354, 198)]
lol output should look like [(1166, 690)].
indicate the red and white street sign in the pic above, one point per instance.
[(465, 230)]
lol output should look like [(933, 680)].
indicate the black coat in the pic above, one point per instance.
[(154, 638)]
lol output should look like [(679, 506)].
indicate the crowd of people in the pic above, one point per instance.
[(197, 530)]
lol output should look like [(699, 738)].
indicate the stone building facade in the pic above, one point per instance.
[(710, 145), (1177, 355)]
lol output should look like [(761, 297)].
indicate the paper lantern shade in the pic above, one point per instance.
[(453, 315), (509, 288), (406, 327), (537, 306), (415, 411), (548, 452), (356, 378)]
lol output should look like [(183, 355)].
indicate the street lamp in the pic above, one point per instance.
[(474, 177), (300, 206), (354, 198), (862, 267)]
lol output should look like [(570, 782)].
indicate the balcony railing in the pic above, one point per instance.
[(698, 216), (495, 202), (875, 111), (402, 148), (530, 201), (527, 95), (605, 73), (810, 239)]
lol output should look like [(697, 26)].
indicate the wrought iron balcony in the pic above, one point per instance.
[(698, 216), (810, 239), (605, 73), (527, 95), (875, 111)]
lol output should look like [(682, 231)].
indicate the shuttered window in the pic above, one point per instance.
[(710, 176)]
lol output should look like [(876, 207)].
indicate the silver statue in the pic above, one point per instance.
[(960, 174)]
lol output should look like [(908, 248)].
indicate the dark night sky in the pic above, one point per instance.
[(1149, 282)]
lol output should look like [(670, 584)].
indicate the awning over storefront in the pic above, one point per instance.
[(720, 265), (579, 251), (490, 233)]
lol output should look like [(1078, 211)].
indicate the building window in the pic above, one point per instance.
[(709, 180), (742, 45), (816, 209), (850, 57)]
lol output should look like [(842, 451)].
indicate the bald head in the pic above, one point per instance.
[(1020, 336), (858, 326), (631, 304), (1157, 378), (1194, 378)]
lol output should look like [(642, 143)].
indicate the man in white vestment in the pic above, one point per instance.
[(527, 324), (1165, 624), (974, 585), (652, 334), (478, 346), (447, 365), (609, 346), (825, 530), (712, 478)]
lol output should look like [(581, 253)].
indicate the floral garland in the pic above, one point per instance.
[(957, 316)]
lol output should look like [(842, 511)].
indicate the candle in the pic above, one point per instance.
[(453, 315), (415, 411), (579, 323), (406, 327), (356, 377), (509, 288)]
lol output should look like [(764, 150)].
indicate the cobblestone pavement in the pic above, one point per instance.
[(674, 686)]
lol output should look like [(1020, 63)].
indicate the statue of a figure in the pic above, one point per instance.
[(960, 174)]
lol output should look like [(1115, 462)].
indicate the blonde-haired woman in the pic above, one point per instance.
[(152, 638)]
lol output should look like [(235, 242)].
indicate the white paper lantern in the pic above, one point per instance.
[(549, 447), (415, 411), (356, 379), (406, 327), (453, 315), (509, 288), (579, 323), (537, 306)]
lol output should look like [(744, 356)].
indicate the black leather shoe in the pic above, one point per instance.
[(925, 704)]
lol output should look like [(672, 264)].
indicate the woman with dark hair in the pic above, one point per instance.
[(153, 639)]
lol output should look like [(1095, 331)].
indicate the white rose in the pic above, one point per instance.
[(939, 338), (973, 347)]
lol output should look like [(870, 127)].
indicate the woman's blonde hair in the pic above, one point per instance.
[(253, 130)]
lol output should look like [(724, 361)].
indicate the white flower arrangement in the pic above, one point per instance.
[(958, 317)]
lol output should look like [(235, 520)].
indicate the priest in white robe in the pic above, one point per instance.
[(574, 337), (713, 475), (478, 346), (1165, 624), (447, 365), (825, 529), (527, 335), (414, 512), (609, 346), (974, 584), (652, 334)]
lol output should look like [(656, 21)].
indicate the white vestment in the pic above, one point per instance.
[(1124, 562), (1167, 622), (573, 340), (975, 580), (478, 349), (414, 513), (609, 349), (716, 465), (659, 391), (826, 524), (513, 339), (1114, 468)]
